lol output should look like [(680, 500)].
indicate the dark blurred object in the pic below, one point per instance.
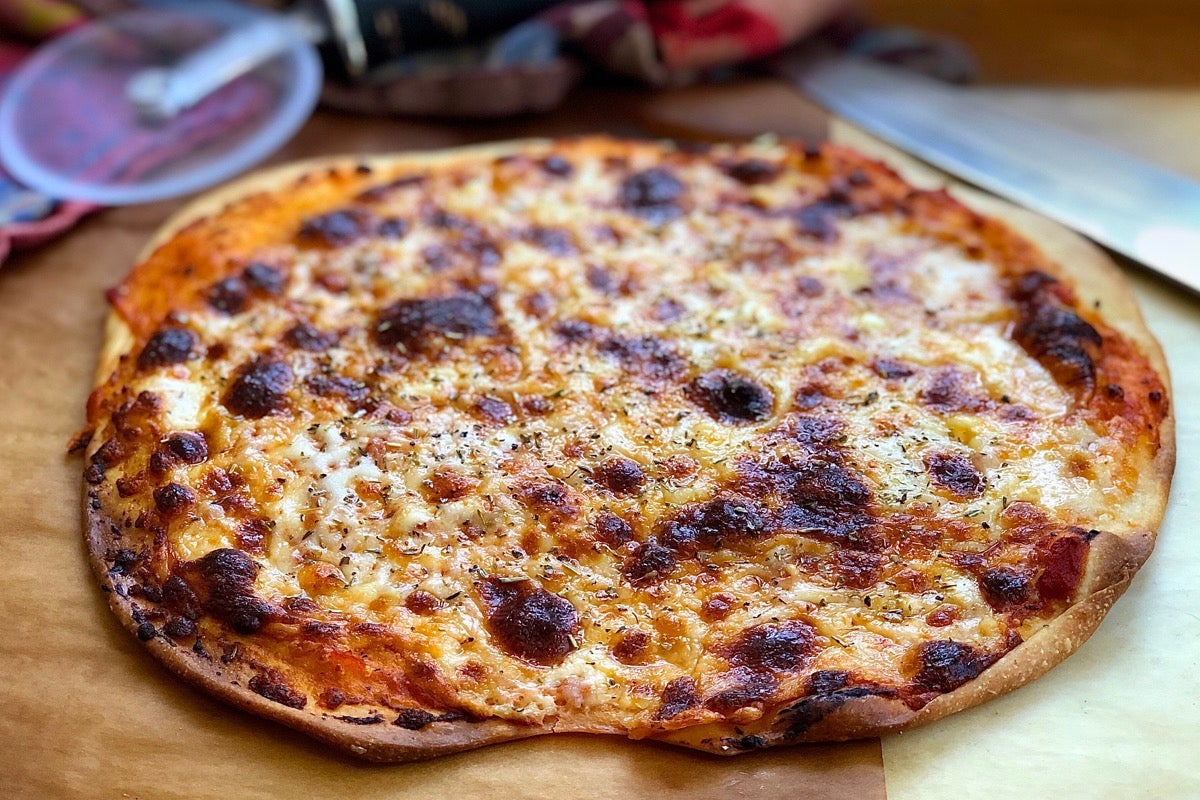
[(367, 33), (531, 66)]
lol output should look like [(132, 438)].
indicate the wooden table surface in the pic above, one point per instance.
[(1066, 42)]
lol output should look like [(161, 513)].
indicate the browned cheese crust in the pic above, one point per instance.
[(732, 447)]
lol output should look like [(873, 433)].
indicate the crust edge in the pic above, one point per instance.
[(383, 742), (878, 716)]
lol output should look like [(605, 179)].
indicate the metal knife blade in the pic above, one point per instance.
[(1128, 204)]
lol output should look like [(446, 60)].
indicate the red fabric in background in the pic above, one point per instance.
[(681, 29), (21, 235)]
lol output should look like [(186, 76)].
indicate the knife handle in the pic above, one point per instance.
[(368, 33)]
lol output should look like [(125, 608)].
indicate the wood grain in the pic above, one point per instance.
[(1090, 42)]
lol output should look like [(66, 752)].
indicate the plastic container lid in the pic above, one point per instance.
[(68, 129)]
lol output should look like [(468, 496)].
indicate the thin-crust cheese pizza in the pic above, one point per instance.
[(731, 447)]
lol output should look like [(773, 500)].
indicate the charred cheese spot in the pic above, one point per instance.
[(781, 647), (108, 454), (129, 485), (717, 606), (601, 280), (259, 388), (331, 698), (942, 616), (170, 345), (741, 687), (653, 194), (809, 286), (754, 171), (1053, 333), (186, 447), (494, 410), (555, 241), (818, 220), (179, 598), (891, 368), (180, 628), (251, 535), (1005, 586), (229, 296), (556, 166), (648, 357), (353, 392), (827, 681), (224, 581), (338, 228), (729, 520), (307, 337), (943, 665), (621, 475), (731, 398), (574, 330), (551, 497), (648, 562), (422, 602), (172, 499), (392, 228), (419, 324), (612, 530), (272, 685), (955, 473), (677, 696), (820, 498), (858, 570), (632, 646), (264, 278), (668, 310), (530, 622), (951, 390)]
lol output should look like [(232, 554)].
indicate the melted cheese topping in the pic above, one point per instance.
[(417, 457)]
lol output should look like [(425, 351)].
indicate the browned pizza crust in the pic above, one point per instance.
[(1112, 569), (1113, 557), (379, 742)]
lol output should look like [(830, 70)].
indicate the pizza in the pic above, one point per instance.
[(728, 446)]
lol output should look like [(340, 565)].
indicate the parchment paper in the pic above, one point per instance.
[(1120, 718), (86, 713)]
